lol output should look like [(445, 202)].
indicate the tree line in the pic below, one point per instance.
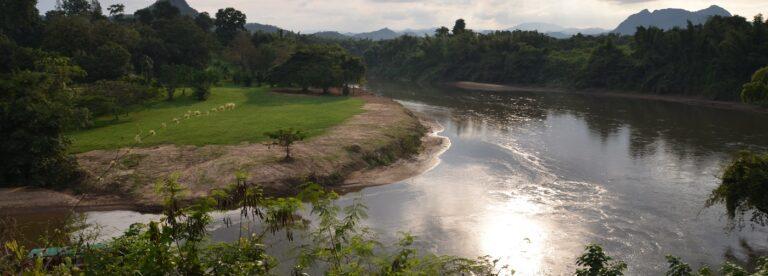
[(75, 66), (711, 60)]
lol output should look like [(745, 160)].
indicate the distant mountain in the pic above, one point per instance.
[(382, 34), (538, 26), (667, 19), (557, 31), (182, 5), (254, 27), (418, 32), (331, 35)]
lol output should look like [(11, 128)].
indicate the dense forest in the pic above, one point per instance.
[(712, 60), (75, 66)]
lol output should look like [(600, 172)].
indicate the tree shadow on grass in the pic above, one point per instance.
[(265, 97)]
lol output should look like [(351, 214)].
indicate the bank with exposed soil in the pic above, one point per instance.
[(383, 144)]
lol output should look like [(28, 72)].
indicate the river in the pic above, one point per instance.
[(530, 178)]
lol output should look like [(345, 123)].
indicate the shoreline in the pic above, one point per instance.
[(737, 106), (364, 151)]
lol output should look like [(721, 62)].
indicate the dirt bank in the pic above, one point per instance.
[(667, 98), (384, 144)]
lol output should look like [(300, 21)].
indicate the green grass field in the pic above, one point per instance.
[(257, 111)]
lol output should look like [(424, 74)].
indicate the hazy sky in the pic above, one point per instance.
[(368, 15)]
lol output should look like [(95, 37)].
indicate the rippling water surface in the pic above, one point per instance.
[(532, 177)]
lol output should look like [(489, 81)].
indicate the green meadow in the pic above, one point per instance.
[(257, 111)]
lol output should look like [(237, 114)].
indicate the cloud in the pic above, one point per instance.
[(367, 15), (629, 1)]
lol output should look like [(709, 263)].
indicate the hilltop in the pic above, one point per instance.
[(668, 18)]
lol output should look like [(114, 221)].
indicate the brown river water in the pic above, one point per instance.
[(530, 178)]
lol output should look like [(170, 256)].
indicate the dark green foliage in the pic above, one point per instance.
[(459, 27), (285, 138), (181, 41), (114, 97), (201, 82), (172, 77), (35, 109), (20, 21), (595, 262), (712, 60), (14, 58), (228, 23), (110, 61), (116, 11), (76, 7), (744, 189), (204, 21), (321, 66), (608, 66), (756, 91), (678, 268)]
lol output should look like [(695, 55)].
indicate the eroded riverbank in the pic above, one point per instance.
[(386, 143)]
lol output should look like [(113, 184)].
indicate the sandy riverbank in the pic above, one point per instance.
[(667, 98), (384, 144)]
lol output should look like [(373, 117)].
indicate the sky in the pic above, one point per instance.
[(368, 15)]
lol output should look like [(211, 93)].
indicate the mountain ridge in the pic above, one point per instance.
[(668, 18), (182, 5)]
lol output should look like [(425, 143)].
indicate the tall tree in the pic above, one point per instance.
[(116, 11), (76, 7), (20, 20), (35, 108), (442, 32), (204, 21), (228, 23), (459, 27)]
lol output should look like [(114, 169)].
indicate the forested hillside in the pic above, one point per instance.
[(711, 60)]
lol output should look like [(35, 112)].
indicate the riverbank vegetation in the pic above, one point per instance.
[(713, 60)]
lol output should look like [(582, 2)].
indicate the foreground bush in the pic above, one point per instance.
[(333, 243), (178, 244), (756, 91), (744, 189)]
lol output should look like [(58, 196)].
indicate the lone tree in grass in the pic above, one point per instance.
[(285, 138)]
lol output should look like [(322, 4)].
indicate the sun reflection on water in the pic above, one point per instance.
[(512, 234)]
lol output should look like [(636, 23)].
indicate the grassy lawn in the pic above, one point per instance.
[(257, 111)]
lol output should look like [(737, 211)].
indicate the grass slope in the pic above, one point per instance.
[(257, 111)]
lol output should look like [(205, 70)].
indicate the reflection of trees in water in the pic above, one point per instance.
[(685, 131), (471, 110)]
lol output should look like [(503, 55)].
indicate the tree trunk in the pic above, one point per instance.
[(170, 91), (288, 153)]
